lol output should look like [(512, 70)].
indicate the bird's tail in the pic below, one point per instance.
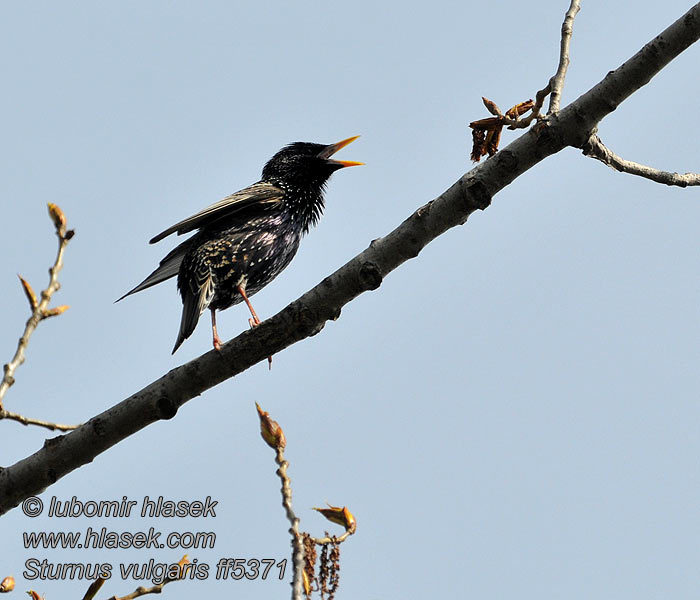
[(194, 303), (168, 268)]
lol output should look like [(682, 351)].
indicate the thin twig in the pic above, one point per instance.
[(484, 143), (329, 540), (142, 591), (6, 414), (157, 588), (557, 82), (535, 114), (297, 542), (335, 539), (273, 435), (39, 311), (595, 148)]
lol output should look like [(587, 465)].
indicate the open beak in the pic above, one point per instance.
[(331, 149)]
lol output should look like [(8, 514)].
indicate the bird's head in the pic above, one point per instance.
[(304, 165), (302, 170)]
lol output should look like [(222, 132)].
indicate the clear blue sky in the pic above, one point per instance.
[(513, 414)]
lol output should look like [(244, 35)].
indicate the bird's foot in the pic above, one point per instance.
[(253, 324), (217, 343)]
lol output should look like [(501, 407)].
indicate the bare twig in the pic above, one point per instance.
[(6, 414), (142, 591), (556, 83), (157, 588), (552, 89), (303, 550), (523, 123), (39, 311), (332, 539), (297, 542), (273, 435), (595, 148)]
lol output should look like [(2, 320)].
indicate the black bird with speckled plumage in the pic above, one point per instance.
[(248, 238)]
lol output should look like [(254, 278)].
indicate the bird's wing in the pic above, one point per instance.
[(167, 268), (261, 194)]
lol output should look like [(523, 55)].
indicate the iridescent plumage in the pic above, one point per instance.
[(245, 240)]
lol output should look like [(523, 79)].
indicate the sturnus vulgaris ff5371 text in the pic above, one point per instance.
[(244, 241)]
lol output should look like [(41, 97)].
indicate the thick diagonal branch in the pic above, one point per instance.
[(306, 316)]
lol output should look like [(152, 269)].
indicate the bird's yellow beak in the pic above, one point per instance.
[(331, 149)]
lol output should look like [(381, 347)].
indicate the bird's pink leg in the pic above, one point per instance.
[(254, 322), (217, 341)]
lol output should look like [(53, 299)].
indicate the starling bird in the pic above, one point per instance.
[(246, 240)]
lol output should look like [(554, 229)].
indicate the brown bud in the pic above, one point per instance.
[(340, 516), (493, 137), (270, 430), (181, 563), (520, 109), (58, 218), (486, 123), (307, 584), (478, 144), (7, 585), (34, 595), (94, 588), (491, 107), (28, 292), (54, 312)]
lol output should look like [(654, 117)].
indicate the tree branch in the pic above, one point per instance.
[(595, 148), (272, 433), (39, 311), (306, 316), (297, 545), (143, 591), (556, 83), (6, 414)]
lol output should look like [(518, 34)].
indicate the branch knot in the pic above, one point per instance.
[(370, 275)]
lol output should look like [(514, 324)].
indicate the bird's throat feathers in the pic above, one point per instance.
[(304, 204)]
